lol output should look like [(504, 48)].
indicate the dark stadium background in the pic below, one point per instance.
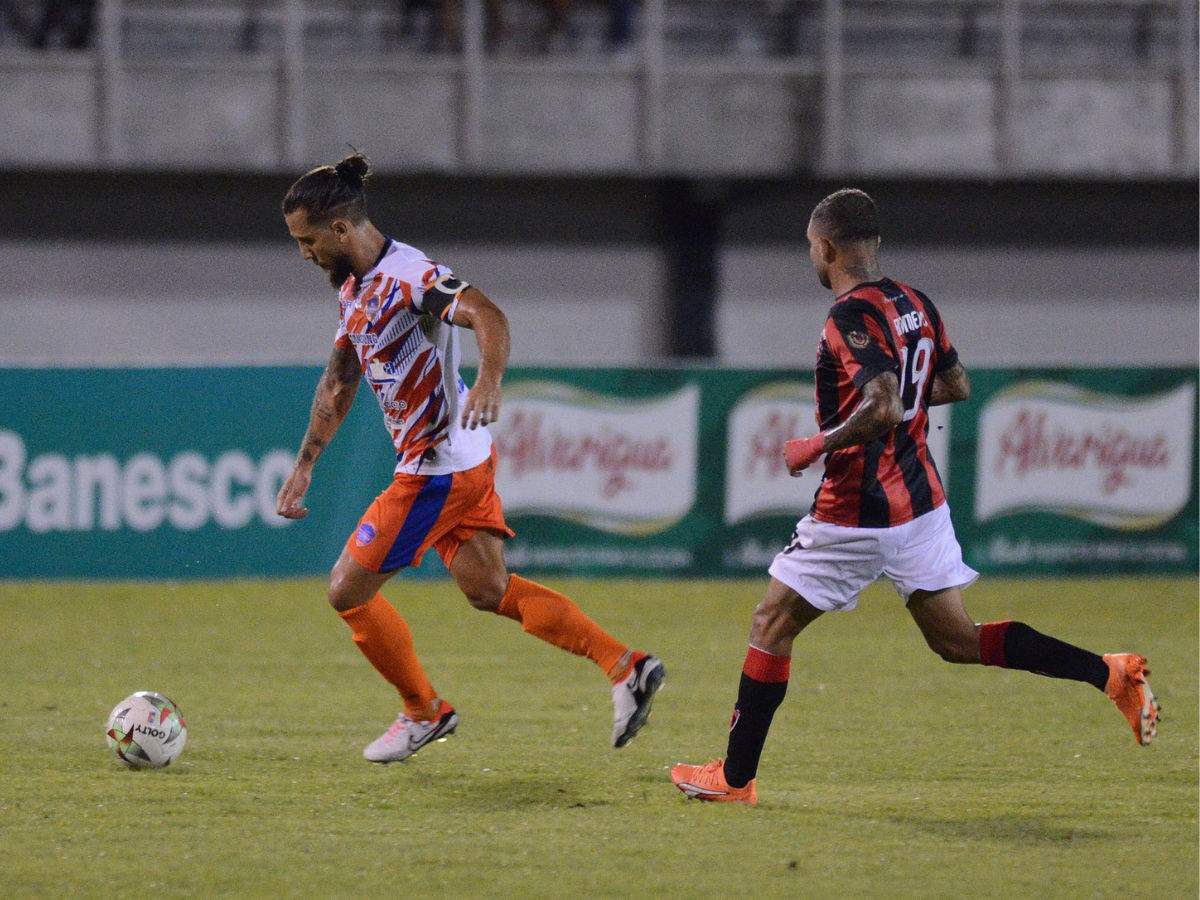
[(634, 194)]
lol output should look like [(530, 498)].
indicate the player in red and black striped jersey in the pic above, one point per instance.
[(884, 359), (875, 328)]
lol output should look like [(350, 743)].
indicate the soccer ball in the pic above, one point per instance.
[(146, 731)]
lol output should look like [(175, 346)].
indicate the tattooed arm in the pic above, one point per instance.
[(879, 411), (335, 395), (951, 386)]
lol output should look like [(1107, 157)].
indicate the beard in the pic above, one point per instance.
[(823, 277), (339, 269)]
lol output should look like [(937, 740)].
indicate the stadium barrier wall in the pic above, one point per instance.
[(172, 472)]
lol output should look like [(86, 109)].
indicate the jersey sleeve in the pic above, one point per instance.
[(860, 341), (947, 356), (438, 293), (341, 340)]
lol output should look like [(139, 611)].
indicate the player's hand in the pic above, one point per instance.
[(483, 404), (291, 496), (803, 452)]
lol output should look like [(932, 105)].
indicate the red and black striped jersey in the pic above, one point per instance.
[(878, 327)]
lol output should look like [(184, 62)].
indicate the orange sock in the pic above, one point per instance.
[(385, 639), (549, 615)]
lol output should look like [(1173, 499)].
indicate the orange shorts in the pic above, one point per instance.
[(421, 511)]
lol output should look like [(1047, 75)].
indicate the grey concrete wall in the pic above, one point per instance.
[(243, 115), (1003, 307), (180, 304), (1084, 126), (77, 303), (176, 118), (1075, 126), (49, 115), (756, 124)]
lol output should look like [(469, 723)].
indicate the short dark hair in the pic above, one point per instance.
[(331, 192), (847, 215)]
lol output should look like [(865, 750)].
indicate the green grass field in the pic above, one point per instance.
[(889, 773)]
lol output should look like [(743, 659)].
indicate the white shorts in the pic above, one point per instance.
[(830, 565)]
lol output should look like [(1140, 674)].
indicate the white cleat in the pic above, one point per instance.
[(632, 698), (407, 736)]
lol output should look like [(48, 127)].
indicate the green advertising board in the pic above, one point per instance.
[(1078, 471), (173, 472)]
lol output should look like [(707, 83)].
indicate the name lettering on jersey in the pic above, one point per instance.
[(910, 322)]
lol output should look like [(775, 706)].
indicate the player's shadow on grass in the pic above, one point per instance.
[(495, 791), (1002, 829)]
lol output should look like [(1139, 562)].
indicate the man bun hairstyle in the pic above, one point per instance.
[(331, 192), (847, 215), (354, 170)]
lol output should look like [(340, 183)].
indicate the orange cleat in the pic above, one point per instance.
[(1128, 688), (708, 782)]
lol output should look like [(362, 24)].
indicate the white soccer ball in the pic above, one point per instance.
[(146, 731)]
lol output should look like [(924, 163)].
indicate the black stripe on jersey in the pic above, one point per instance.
[(913, 473), (828, 396), (849, 316), (946, 360), (874, 511), (935, 317), (904, 305), (911, 470), (929, 457), (899, 298)]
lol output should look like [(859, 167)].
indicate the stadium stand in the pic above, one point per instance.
[(917, 87)]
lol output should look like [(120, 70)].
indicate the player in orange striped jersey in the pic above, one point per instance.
[(399, 322)]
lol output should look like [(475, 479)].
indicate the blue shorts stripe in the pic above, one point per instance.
[(421, 518)]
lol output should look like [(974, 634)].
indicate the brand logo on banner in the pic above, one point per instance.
[(1121, 462), (761, 422), (756, 479), (55, 492), (627, 467)]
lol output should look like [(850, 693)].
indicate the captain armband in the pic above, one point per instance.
[(441, 296)]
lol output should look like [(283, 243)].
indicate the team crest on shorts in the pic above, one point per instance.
[(365, 534), (857, 339)]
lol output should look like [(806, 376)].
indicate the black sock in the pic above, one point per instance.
[(1033, 651), (756, 705)]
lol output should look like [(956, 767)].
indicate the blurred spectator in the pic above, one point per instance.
[(68, 21), (251, 29), (557, 33), (560, 33), (620, 23), (440, 23), (443, 22)]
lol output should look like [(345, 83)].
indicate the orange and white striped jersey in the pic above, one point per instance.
[(398, 320)]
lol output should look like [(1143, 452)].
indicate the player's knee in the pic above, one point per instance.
[(960, 649), (773, 619), (343, 594), (765, 615), (485, 592)]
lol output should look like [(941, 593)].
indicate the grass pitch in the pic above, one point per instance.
[(889, 774)]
